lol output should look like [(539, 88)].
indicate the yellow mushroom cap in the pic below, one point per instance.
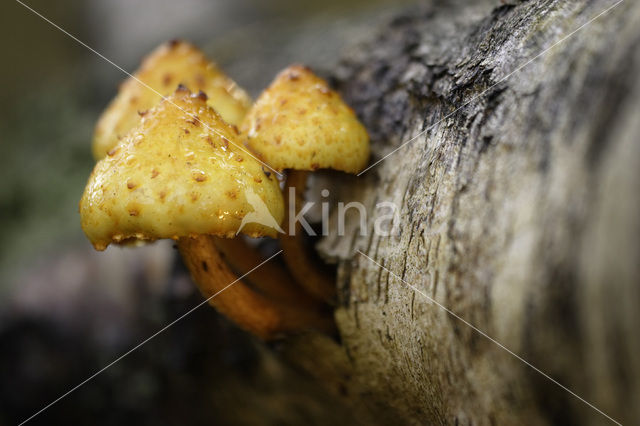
[(171, 64), (181, 172), (299, 123)]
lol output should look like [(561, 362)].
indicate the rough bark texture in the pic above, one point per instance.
[(520, 212)]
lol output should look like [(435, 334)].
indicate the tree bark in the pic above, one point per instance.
[(520, 213)]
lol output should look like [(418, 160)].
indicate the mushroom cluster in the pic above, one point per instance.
[(183, 154)]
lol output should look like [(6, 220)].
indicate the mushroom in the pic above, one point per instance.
[(180, 174), (161, 71), (299, 123), (173, 63)]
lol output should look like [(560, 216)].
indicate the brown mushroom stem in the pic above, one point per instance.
[(302, 264), (272, 278), (255, 312)]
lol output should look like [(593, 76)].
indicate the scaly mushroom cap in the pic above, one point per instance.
[(180, 172), (299, 123), (171, 64)]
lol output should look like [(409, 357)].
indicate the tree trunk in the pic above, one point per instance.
[(520, 213)]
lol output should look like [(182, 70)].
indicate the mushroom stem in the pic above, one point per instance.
[(302, 264), (272, 279), (255, 312)]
